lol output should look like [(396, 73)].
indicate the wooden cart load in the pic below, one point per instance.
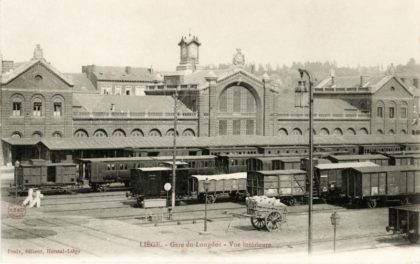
[(266, 212), (405, 220)]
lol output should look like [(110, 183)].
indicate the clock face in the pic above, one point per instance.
[(183, 51), (193, 51)]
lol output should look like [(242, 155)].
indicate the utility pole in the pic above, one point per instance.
[(174, 150)]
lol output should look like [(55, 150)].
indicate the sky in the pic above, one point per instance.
[(145, 33)]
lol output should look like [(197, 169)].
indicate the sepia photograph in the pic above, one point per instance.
[(210, 131)]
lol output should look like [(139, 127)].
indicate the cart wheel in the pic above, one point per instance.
[(273, 221), (257, 223), (413, 238), (211, 199), (371, 203)]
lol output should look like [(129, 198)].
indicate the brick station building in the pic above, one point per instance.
[(38, 101)]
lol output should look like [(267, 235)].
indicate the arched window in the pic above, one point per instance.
[(17, 105), (37, 106), (58, 105), (338, 132), (313, 131), (137, 133), (296, 132), (363, 131), (155, 133), (118, 133), (100, 133), (57, 134), (380, 108), (350, 131), (81, 133), (391, 110), (170, 133), (391, 132), (324, 131), (37, 134), (403, 131), (380, 132), (188, 133), (16, 134), (403, 110), (282, 132)]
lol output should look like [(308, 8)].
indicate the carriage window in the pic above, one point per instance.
[(109, 167), (113, 166), (206, 164)]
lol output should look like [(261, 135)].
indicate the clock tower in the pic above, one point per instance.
[(189, 51)]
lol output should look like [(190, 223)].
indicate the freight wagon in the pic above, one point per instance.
[(381, 184), (405, 220), (148, 183), (288, 185), (328, 178), (233, 163), (45, 176)]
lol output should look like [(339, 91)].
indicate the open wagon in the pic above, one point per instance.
[(266, 213)]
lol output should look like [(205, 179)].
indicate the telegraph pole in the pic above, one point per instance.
[(174, 150)]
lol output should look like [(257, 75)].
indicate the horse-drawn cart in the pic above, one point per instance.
[(266, 212)]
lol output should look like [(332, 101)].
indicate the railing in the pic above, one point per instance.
[(158, 87), (325, 116), (132, 115), (342, 90)]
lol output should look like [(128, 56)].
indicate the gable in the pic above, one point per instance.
[(30, 79), (392, 89)]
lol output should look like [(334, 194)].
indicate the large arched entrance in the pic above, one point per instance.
[(237, 111)]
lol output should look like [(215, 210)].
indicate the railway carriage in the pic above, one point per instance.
[(233, 163), (405, 220), (381, 184)]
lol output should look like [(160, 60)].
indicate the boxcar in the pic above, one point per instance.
[(288, 185), (373, 184), (404, 159), (405, 220), (368, 148), (42, 174), (375, 158), (262, 163), (328, 177)]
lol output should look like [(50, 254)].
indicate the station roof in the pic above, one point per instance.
[(81, 83), (127, 73), (387, 168), (345, 165), (203, 142), (155, 169), (358, 157), (122, 103), (117, 159)]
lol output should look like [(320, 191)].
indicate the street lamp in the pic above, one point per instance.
[(17, 164), (335, 221), (206, 184), (305, 98)]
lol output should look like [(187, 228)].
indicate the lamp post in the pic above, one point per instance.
[(174, 150), (206, 188), (17, 164), (304, 98), (335, 221)]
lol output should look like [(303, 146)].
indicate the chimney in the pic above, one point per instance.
[(363, 79), (128, 69), (7, 65), (402, 79), (416, 83)]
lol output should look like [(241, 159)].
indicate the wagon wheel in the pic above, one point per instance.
[(371, 203), (413, 238), (211, 199), (273, 221), (258, 223)]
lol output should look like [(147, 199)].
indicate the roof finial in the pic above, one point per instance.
[(38, 53)]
